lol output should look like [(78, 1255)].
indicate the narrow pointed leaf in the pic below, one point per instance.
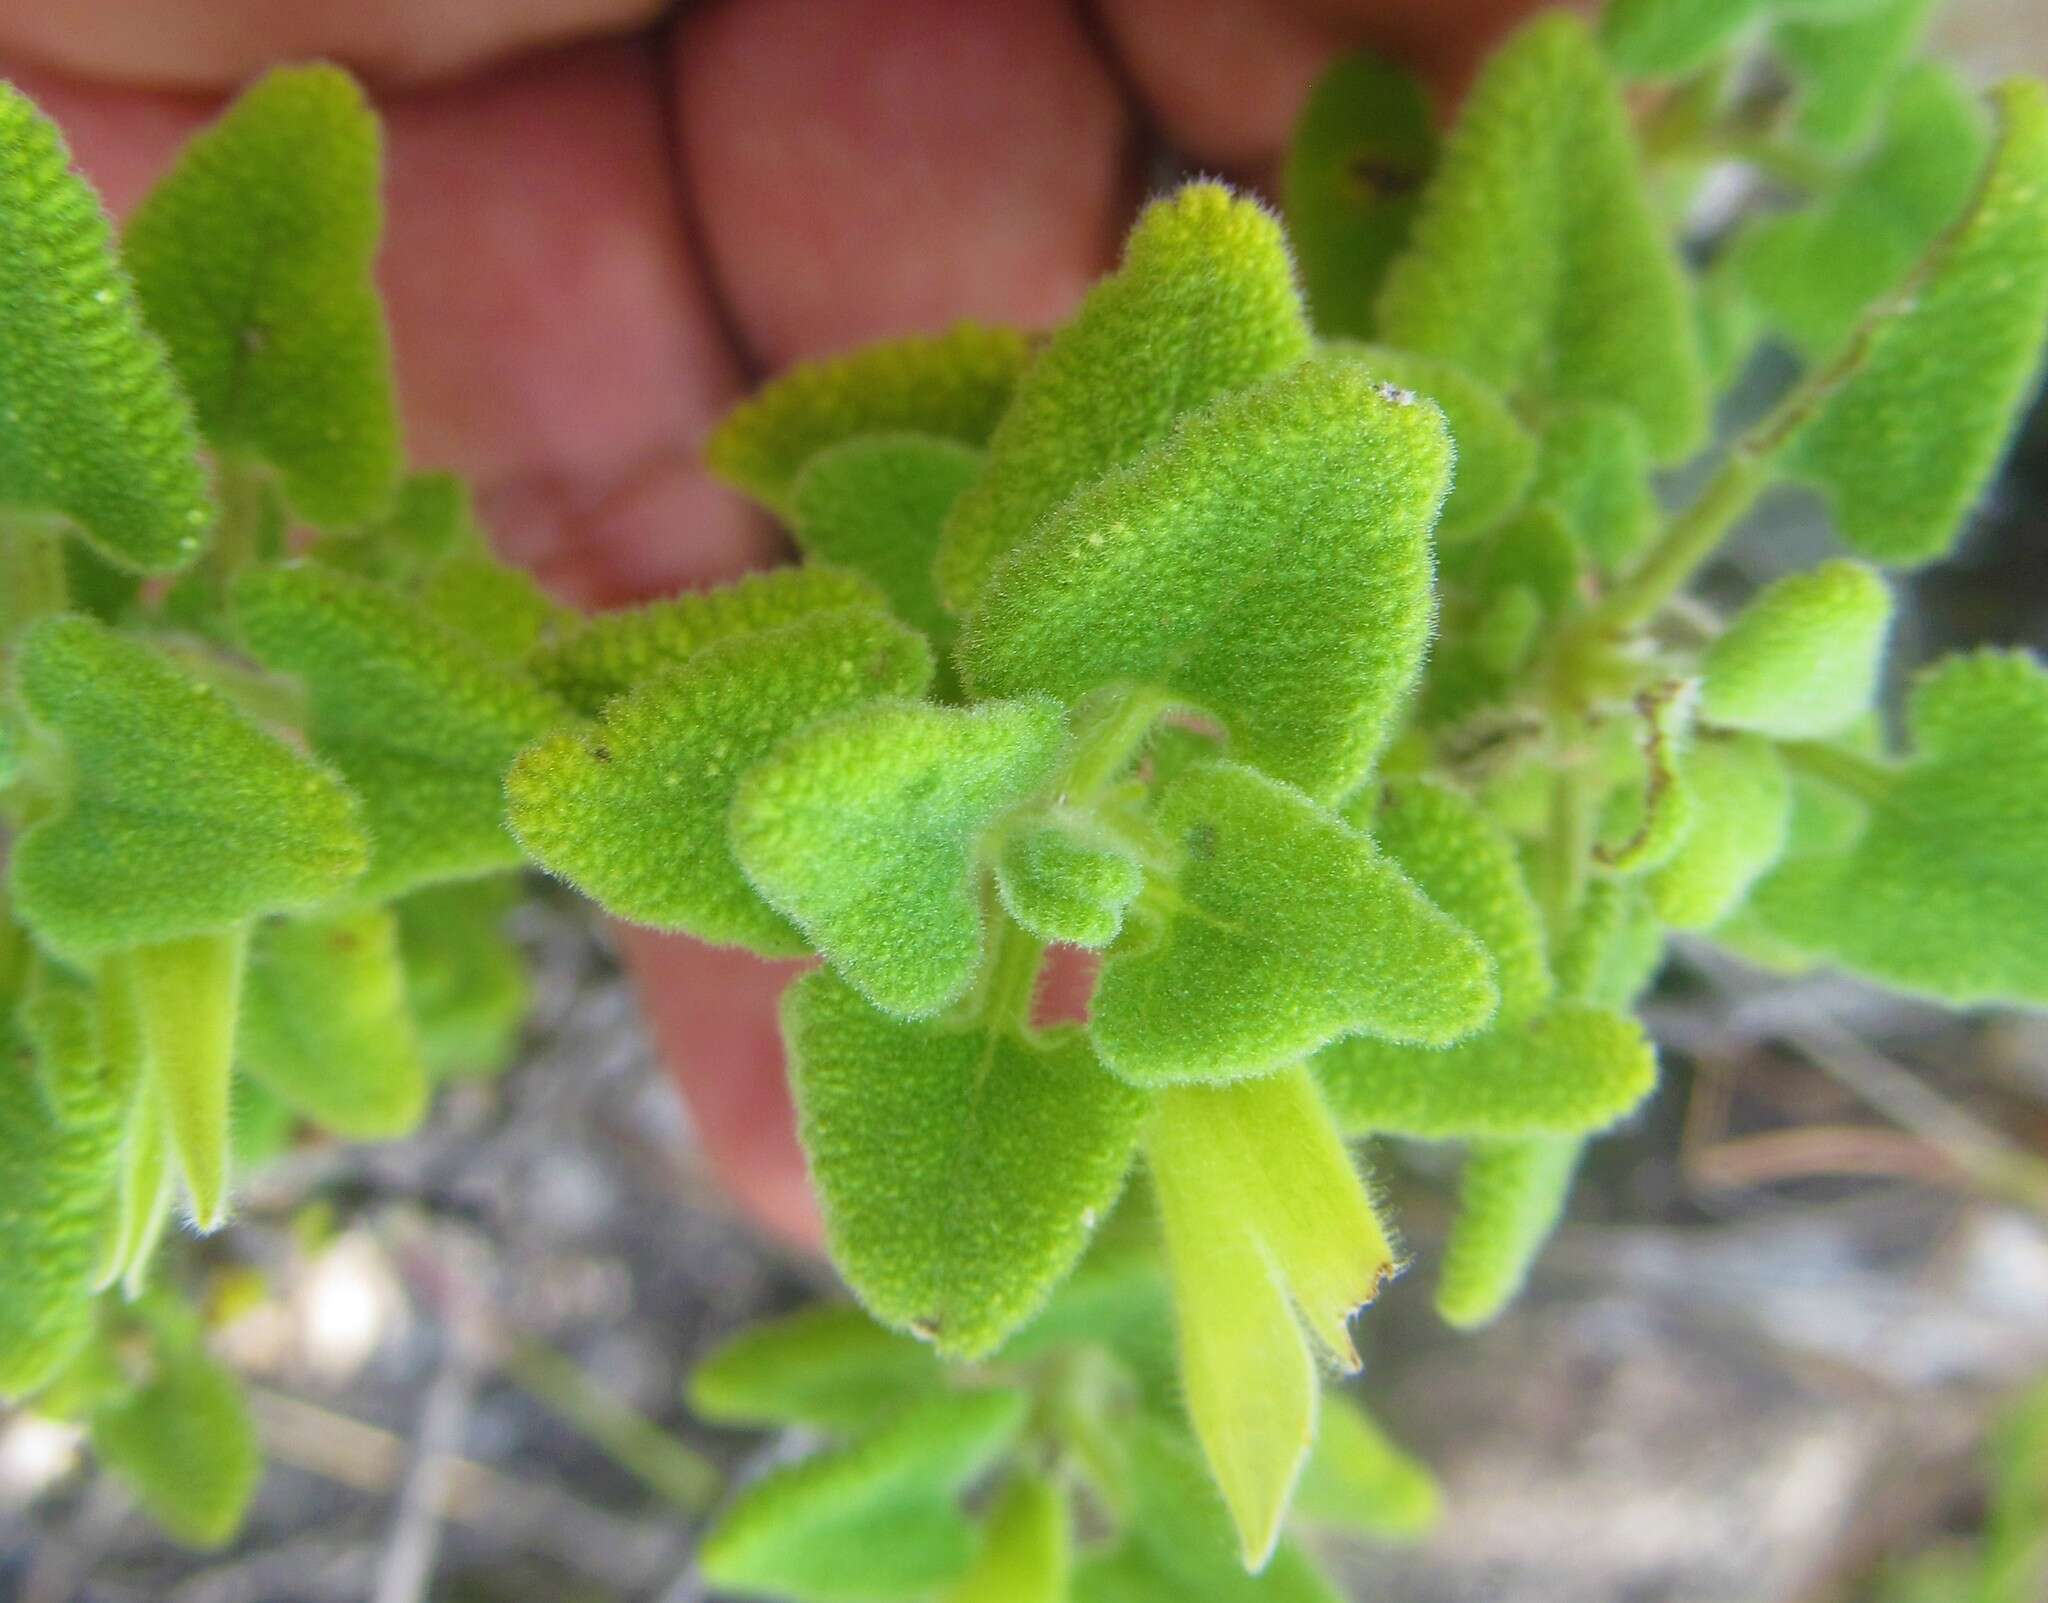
[(74, 357), (1566, 1071), (186, 1445), (253, 261), (830, 1367), (1203, 304), (422, 721), (325, 1024), (1360, 1479), (863, 830), (1026, 1548), (876, 505), (1940, 893), (187, 995), (1269, 563), (1536, 263), (953, 385), (1905, 443), (1801, 660), (960, 1170), (147, 1187), (1362, 149), (1510, 1198), (1061, 885), (1284, 929), (870, 1523), (633, 810), (611, 652), (182, 815)]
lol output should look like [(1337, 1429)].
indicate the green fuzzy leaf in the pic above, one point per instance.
[(613, 652), (1568, 1070), (1801, 660), (1026, 1548), (876, 505), (253, 261), (1178, 1545), (1648, 816), (1269, 562), (953, 385), (1742, 804), (186, 995), (1613, 947), (421, 720), (181, 816), (147, 1185), (1537, 264), (186, 1445), (1810, 274), (61, 1016), (1362, 149), (1846, 65), (95, 428), (1594, 469), (1669, 38), (1467, 865), (326, 1026), (1061, 884), (1204, 303), (1360, 1479), (863, 832), (1263, 1217), (960, 1169), (830, 1367), (502, 609), (429, 522), (1905, 443), (633, 810), (53, 1215), (871, 1523), (1940, 892), (465, 978), (1496, 455), (1511, 1196), (1284, 929)]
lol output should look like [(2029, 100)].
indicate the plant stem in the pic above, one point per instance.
[(31, 573), (1012, 981), (1568, 842), (645, 1451), (1845, 770), (1108, 740), (1689, 541)]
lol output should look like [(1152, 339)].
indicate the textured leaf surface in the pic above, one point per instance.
[(182, 815), (1811, 273), (1613, 947), (862, 831), (429, 522), (1204, 303), (74, 358), (1570, 1069), (1536, 262), (1061, 885), (465, 979), (1026, 1548), (1362, 150), (325, 1024), (82, 1080), (1285, 929), (614, 651), (1360, 1479), (421, 720), (502, 609), (1801, 660), (1846, 65), (1496, 455), (871, 1523), (1905, 444), (876, 506), (1510, 1197), (253, 260), (1269, 562), (53, 1216), (954, 385), (186, 1446), (1941, 892), (633, 810), (829, 1367), (960, 1170), (1743, 802), (1594, 469)]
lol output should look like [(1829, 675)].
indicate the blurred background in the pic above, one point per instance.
[(1785, 1351)]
